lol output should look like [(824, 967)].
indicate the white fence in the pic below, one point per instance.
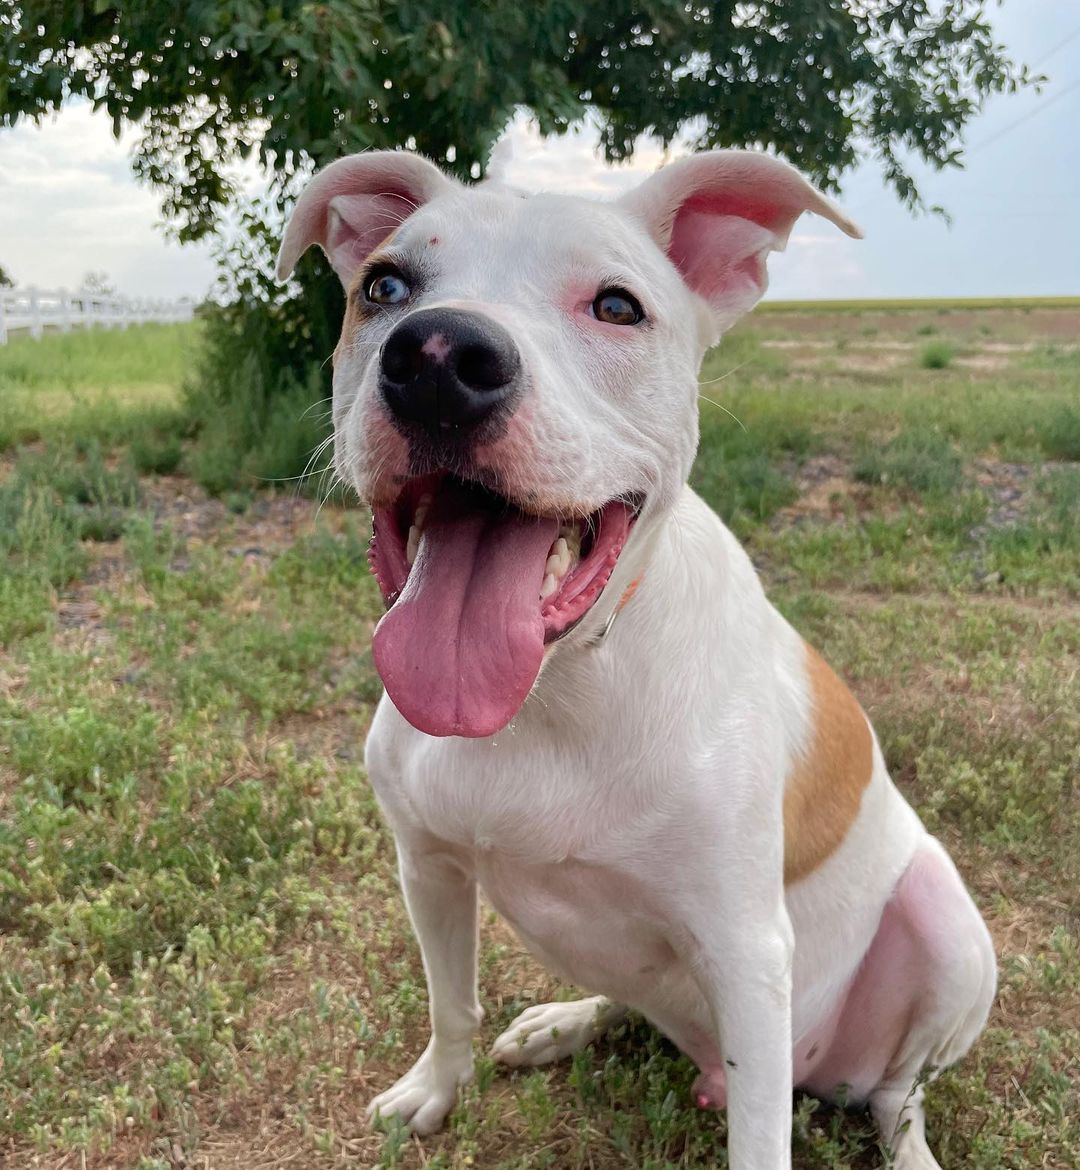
[(35, 310)]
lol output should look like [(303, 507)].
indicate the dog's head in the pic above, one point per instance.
[(515, 395)]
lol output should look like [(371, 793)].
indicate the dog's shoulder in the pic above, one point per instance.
[(828, 776)]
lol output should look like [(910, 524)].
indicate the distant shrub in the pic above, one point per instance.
[(258, 399), (927, 330), (936, 356), (921, 460), (257, 424)]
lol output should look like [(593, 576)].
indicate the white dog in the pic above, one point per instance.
[(682, 810)]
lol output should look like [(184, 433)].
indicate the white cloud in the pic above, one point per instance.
[(572, 163), (69, 205)]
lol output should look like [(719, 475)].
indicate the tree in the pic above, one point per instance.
[(208, 82), (5, 280), (98, 283)]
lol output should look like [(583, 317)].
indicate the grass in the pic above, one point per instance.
[(204, 957), (94, 384), (922, 461)]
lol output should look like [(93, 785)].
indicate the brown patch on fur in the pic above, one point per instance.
[(356, 310), (825, 787)]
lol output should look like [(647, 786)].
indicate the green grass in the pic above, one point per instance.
[(922, 461), (108, 385), (1016, 412), (1061, 434), (204, 955)]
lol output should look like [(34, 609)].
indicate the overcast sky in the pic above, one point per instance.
[(68, 203)]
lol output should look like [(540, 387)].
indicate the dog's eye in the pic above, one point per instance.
[(617, 307), (387, 288)]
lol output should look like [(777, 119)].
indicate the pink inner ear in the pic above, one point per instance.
[(720, 245), (358, 224)]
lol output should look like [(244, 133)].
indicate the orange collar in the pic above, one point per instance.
[(628, 592), (631, 589)]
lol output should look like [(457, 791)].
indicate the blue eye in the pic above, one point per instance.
[(388, 288), (616, 306)]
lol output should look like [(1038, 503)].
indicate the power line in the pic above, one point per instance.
[(1043, 105), (1057, 48)]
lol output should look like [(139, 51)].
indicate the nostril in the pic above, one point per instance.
[(402, 359), (485, 368)]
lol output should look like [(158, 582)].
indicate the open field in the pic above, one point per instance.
[(204, 957), (922, 305)]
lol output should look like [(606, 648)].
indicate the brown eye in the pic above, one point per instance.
[(388, 288), (617, 307)]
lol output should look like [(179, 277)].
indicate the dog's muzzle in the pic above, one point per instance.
[(449, 373)]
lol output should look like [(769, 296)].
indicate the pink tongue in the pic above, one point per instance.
[(462, 646)]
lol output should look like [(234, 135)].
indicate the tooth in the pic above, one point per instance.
[(554, 565), (422, 507), (413, 543), (549, 586)]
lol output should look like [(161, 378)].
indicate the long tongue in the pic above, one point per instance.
[(462, 646)]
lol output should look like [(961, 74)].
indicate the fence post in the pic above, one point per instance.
[(65, 311), (35, 313)]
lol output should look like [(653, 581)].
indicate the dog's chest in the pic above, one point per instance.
[(557, 841), (593, 926)]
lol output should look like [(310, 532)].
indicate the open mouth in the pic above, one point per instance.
[(476, 589)]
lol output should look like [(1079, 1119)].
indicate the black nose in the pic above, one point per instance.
[(448, 370)]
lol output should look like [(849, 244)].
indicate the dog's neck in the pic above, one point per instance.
[(627, 652), (628, 593)]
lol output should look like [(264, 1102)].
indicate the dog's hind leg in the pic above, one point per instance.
[(551, 1031), (917, 1005)]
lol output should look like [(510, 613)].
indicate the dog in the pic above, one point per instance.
[(592, 712)]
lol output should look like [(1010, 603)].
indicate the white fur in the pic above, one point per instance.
[(628, 822)]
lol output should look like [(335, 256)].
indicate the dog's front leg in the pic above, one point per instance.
[(440, 894), (742, 957)]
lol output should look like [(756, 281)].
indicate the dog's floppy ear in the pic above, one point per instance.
[(719, 214), (352, 205)]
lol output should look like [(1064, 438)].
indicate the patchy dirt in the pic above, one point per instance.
[(1009, 487), (1020, 326), (266, 528), (270, 523), (827, 494), (895, 345), (983, 363)]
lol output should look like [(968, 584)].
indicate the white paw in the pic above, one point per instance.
[(548, 1032), (423, 1097)]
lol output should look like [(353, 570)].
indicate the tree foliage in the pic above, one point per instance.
[(210, 81), (98, 282)]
